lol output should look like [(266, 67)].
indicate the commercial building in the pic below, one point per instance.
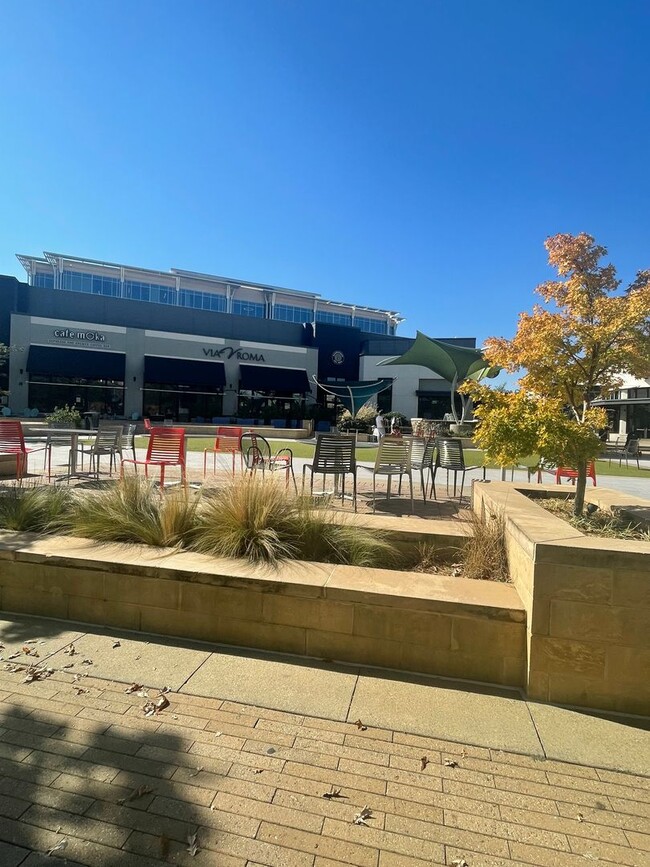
[(628, 408), (131, 341)]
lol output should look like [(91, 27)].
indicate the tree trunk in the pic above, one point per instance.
[(581, 485)]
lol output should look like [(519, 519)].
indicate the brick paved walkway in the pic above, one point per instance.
[(82, 767)]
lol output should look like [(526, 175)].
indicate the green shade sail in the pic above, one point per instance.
[(446, 359), (453, 363), (354, 395)]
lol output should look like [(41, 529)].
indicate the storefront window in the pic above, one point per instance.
[(182, 403), (103, 396)]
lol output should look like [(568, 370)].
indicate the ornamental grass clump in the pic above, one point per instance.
[(133, 511), (259, 520), (485, 555), (35, 509)]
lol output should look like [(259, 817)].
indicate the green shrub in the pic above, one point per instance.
[(134, 511), (35, 509), (64, 415)]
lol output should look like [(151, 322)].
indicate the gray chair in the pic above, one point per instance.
[(422, 458), (108, 441), (393, 459), (450, 457), (128, 441), (334, 456), (630, 450)]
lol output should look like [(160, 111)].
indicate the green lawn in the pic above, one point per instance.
[(302, 449)]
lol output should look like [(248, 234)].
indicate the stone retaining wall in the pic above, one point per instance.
[(587, 601), (423, 623)]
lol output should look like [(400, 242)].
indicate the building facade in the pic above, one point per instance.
[(129, 342), (628, 408)]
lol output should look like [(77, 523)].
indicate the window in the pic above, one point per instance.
[(374, 326), (248, 308), (202, 300), (91, 284), (289, 313), (333, 318), (43, 280), (156, 293)]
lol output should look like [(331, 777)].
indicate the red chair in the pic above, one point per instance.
[(227, 441), (147, 425), (166, 449), (12, 442), (570, 473)]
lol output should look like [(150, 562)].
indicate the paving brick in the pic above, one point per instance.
[(306, 756), (483, 794), (436, 744), (599, 786), (638, 841), (395, 775), (271, 854), (231, 823), (605, 816), (522, 853), (333, 846), (12, 856), (402, 844), (557, 793), (67, 765), (575, 825), (322, 735), (246, 787), (183, 759), (623, 805), (176, 852), (83, 827), (428, 798), (363, 754), (44, 795), (290, 815), (608, 852), (336, 778), (344, 809), (507, 831)]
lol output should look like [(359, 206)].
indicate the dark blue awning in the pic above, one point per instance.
[(258, 377), (183, 371), (75, 363)]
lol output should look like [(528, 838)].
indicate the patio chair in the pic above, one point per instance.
[(107, 442), (450, 457), (166, 449), (227, 441), (632, 450), (12, 442), (393, 459), (422, 458), (127, 442), (334, 456), (572, 474), (106, 427), (257, 455)]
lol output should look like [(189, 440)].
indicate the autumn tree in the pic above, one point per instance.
[(574, 349)]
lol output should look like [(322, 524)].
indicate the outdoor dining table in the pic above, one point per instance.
[(74, 433)]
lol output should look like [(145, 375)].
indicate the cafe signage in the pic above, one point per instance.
[(228, 352), (74, 334)]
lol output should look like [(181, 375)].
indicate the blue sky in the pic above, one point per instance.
[(408, 155)]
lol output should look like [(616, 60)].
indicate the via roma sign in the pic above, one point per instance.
[(228, 352)]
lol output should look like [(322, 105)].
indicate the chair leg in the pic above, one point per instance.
[(354, 490), (374, 492), (410, 475)]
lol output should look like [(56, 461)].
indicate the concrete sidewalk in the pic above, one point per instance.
[(453, 711)]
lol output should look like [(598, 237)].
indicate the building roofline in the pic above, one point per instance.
[(48, 257)]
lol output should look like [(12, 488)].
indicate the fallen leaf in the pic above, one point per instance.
[(361, 726), (37, 674), (580, 817), (116, 644), (425, 762), (80, 690), (591, 857), (166, 689), (451, 763), (135, 794), (133, 688), (149, 708), (257, 771), (14, 655), (86, 662), (460, 862), (32, 641), (70, 650), (58, 847), (333, 793), (70, 665), (270, 751), (161, 703), (360, 818), (143, 693), (197, 772), (193, 847), (14, 668), (463, 753)]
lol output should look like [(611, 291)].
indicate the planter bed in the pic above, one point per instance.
[(429, 624)]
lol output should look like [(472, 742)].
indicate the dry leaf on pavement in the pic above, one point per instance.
[(86, 662), (58, 847), (333, 793), (361, 726), (450, 763), (135, 794), (135, 687), (460, 862), (116, 644), (360, 818), (197, 772), (70, 650), (425, 762), (193, 847)]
